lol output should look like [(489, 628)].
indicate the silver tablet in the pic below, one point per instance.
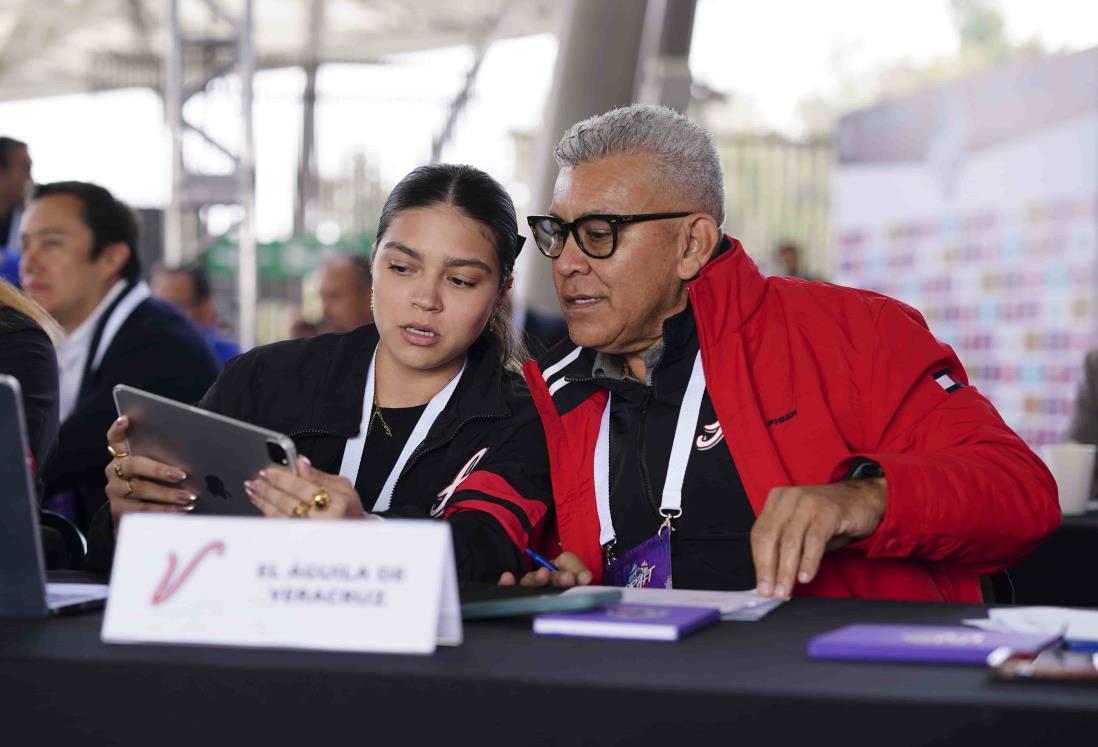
[(217, 453)]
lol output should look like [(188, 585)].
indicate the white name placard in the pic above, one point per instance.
[(384, 586)]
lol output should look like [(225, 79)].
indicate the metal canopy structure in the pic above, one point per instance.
[(55, 47), (181, 48)]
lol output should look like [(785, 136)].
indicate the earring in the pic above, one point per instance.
[(371, 302)]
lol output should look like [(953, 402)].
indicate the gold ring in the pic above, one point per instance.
[(321, 500), (129, 486), (117, 454), (118, 470), (301, 510)]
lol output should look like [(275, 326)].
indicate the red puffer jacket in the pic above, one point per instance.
[(806, 377)]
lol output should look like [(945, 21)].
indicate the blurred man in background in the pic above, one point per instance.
[(80, 263), (789, 262), (15, 178), (188, 289), (345, 288)]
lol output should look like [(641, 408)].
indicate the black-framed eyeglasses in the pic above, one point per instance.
[(595, 235)]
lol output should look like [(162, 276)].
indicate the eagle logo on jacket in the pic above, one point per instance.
[(448, 492)]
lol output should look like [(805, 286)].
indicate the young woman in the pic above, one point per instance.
[(420, 414)]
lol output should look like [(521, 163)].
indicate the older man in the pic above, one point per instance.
[(345, 293), (709, 427)]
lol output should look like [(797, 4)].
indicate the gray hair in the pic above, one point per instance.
[(684, 154)]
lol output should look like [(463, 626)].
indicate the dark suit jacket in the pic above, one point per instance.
[(156, 349)]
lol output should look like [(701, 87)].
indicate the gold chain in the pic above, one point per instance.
[(381, 418)]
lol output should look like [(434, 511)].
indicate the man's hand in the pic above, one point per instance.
[(798, 524), (572, 573)]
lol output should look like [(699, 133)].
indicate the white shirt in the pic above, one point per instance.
[(73, 350)]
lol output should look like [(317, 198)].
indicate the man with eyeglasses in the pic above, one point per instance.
[(712, 428)]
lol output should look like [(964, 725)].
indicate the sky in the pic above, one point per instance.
[(774, 53)]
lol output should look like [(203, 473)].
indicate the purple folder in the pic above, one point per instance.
[(637, 621), (921, 643)]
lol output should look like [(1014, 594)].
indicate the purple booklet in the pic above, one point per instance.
[(638, 621), (921, 643)]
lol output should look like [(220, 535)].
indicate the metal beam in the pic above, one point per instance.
[(492, 31), (595, 72), (307, 187), (664, 62)]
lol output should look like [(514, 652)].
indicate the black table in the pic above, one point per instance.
[(1064, 569), (736, 684)]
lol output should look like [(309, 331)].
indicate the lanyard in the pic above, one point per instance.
[(352, 452), (671, 499)]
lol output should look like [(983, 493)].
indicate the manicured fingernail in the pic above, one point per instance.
[(306, 460), (249, 487), (119, 419), (764, 588), (263, 473), (186, 498), (803, 577), (187, 509), (176, 475), (779, 590)]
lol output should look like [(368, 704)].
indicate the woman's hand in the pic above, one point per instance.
[(279, 492), (140, 484)]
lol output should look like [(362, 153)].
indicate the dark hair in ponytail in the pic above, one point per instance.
[(482, 198)]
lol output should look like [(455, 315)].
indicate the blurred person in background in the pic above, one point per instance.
[(789, 262), (301, 327), (422, 414), (80, 263), (15, 179), (1083, 426), (188, 289), (345, 293), (802, 437), (26, 352)]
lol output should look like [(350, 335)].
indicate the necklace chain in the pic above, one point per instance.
[(381, 418)]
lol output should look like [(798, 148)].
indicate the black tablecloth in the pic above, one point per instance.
[(736, 683), (1063, 570)]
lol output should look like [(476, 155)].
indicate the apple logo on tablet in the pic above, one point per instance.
[(216, 487)]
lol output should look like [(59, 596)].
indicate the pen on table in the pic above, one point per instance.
[(542, 561)]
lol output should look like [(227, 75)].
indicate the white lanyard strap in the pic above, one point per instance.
[(136, 296), (352, 452), (671, 499)]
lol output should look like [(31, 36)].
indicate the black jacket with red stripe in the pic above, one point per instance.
[(482, 465)]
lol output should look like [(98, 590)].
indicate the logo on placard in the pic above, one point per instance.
[(448, 492), (713, 436), (170, 583)]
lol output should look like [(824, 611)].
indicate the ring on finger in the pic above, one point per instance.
[(117, 454), (129, 487), (321, 500), (301, 510), (118, 469)]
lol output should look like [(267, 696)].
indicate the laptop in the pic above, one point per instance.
[(23, 588)]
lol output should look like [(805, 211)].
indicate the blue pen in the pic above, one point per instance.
[(543, 562)]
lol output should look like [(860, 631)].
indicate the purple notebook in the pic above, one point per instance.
[(922, 643), (649, 622)]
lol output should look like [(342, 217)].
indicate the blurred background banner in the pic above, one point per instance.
[(977, 203)]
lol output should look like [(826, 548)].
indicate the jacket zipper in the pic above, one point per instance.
[(646, 482), (421, 452)]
